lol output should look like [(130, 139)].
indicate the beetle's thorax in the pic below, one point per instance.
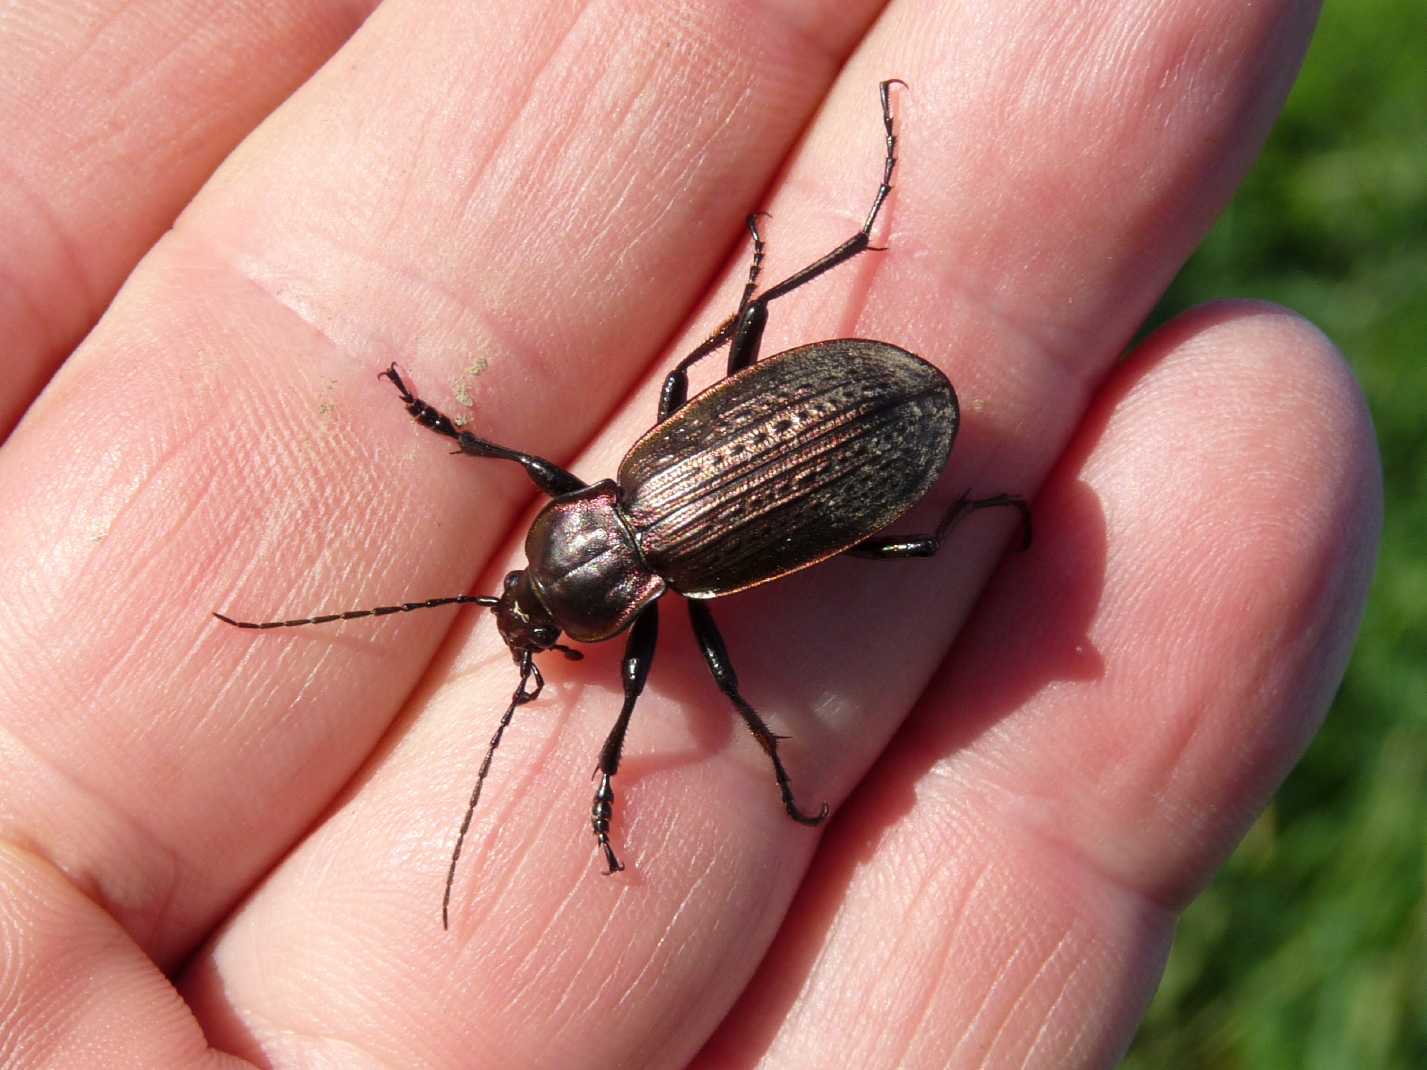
[(585, 567)]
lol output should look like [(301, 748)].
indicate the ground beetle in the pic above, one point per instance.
[(784, 463)]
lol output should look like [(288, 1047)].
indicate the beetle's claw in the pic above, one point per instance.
[(396, 380), (803, 819), (613, 865)]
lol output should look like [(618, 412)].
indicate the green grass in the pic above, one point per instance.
[(1310, 949)]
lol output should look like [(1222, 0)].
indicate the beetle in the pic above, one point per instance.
[(782, 464)]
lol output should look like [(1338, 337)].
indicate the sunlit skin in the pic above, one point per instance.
[(222, 847)]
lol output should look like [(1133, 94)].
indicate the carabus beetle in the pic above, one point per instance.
[(782, 464)]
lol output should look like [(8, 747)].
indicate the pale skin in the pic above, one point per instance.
[(224, 847)]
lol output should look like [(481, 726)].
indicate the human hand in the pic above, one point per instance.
[(523, 205)]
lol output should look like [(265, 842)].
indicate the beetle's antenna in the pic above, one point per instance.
[(353, 614), (528, 671)]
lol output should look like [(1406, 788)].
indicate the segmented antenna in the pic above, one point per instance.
[(353, 614), (528, 671)]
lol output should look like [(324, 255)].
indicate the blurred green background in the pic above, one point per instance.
[(1310, 949)]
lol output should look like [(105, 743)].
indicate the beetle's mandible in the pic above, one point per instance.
[(782, 464)]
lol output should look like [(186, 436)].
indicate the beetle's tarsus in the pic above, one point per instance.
[(600, 815)]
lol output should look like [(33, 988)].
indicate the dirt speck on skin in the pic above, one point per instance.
[(327, 407), (461, 387)]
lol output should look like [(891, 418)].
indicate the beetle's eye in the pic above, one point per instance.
[(511, 579), (545, 634)]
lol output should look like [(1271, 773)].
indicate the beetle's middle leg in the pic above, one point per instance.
[(546, 475), (716, 654), (638, 657), (896, 547)]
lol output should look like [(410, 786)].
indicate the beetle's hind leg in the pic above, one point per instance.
[(546, 475), (638, 657), (744, 329), (896, 547), (716, 654)]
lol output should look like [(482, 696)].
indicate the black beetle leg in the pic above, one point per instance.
[(638, 657), (861, 241), (896, 547), (756, 265), (716, 654), (746, 331), (546, 475), (752, 316), (676, 385)]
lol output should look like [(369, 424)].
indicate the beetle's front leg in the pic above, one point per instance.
[(546, 475), (638, 657), (716, 654), (897, 547)]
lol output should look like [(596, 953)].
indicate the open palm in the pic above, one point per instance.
[(536, 209)]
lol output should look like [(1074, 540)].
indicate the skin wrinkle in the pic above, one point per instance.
[(1042, 1035), (549, 154), (668, 928), (1160, 902), (531, 961), (165, 865), (100, 29), (59, 239), (675, 1025), (466, 195), (525, 848), (921, 1010), (137, 561), (562, 1012), (610, 231), (697, 155), (995, 989), (982, 1009), (1024, 995), (391, 227), (530, 361)]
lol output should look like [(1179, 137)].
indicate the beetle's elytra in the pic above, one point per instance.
[(782, 464)]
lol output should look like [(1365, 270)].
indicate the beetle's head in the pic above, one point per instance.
[(525, 624)]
